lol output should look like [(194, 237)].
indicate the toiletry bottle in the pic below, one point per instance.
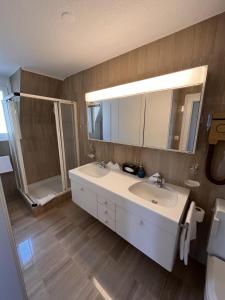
[(141, 172)]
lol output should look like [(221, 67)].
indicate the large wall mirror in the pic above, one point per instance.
[(160, 117)]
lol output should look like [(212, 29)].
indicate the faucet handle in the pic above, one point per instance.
[(160, 180), (157, 175)]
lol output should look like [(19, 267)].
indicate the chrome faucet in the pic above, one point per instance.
[(101, 164), (160, 180)]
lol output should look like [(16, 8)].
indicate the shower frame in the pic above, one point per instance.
[(15, 137)]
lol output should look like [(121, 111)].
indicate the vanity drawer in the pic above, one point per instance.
[(106, 202), (104, 212), (148, 238), (109, 222), (85, 198)]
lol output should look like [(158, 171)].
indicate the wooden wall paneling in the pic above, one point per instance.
[(39, 139), (36, 84), (67, 113), (73, 90), (197, 45)]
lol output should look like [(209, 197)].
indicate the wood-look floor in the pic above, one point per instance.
[(71, 255)]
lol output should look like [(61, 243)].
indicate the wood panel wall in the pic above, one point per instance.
[(201, 44), (39, 139), (36, 84), (37, 120)]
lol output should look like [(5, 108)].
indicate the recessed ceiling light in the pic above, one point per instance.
[(67, 17)]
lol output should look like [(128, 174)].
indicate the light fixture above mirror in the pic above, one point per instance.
[(185, 78)]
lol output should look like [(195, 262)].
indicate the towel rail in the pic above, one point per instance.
[(184, 225)]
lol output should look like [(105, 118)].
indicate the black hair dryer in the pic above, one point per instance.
[(216, 125)]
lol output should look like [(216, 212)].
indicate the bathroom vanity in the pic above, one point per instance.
[(147, 216)]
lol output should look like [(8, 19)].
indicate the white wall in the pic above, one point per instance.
[(5, 87), (5, 84), (11, 281)]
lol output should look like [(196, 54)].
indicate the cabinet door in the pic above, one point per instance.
[(85, 198), (157, 119), (127, 120), (106, 121), (148, 238)]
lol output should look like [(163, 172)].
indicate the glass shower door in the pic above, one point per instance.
[(40, 149), (69, 139), (12, 111), (44, 145)]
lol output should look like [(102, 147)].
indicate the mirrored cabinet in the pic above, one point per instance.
[(118, 121), (163, 119)]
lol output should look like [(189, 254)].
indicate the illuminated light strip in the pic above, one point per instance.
[(194, 76)]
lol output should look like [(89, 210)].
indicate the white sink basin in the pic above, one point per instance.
[(94, 170), (158, 196)]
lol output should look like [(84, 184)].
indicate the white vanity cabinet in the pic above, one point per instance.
[(97, 206), (151, 228), (85, 198), (147, 237), (156, 243)]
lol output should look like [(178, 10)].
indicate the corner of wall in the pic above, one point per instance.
[(38, 84), (15, 81)]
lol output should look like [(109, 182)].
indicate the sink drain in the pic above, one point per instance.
[(154, 201)]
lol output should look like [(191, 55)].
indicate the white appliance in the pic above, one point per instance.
[(215, 284)]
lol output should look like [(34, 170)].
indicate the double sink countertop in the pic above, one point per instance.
[(139, 193)]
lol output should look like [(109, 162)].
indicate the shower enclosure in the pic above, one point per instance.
[(43, 138)]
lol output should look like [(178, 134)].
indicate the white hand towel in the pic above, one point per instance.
[(191, 230)]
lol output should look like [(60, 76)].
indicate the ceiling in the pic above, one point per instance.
[(34, 36)]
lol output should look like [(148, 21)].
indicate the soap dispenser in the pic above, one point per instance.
[(141, 172)]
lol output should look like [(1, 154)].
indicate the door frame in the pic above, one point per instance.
[(60, 139), (186, 121)]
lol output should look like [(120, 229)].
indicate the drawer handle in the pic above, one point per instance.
[(81, 189), (141, 223), (105, 202), (106, 212), (106, 221)]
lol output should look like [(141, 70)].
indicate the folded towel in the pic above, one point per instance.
[(113, 166), (188, 233)]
